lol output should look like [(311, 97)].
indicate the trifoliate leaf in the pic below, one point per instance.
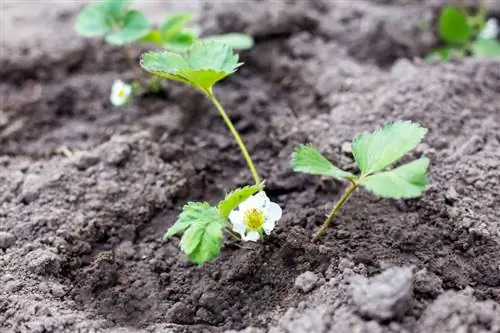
[(117, 8), (486, 48), (173, 25), (93, 21), (237, 196), (190, 213), (204, 64), (235, 40), (135, 26), (453, 26), (203, 241), (202, 226), (153, 36), (307, 159), (375, 151), (406, 181)]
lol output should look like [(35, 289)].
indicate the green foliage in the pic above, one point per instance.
[(93, 21), (307, 159), (202, 226), (454, 26), (237, 196), (135, 25), (460, 32), (375, 151), (113, 20), (175, 36), (174, 25), (201, 66), (486, 48), (407, 181), (235, 40), (446, 53)]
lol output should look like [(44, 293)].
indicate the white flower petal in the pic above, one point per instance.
[(491, 29), (239, 228), (257, 201), (236, 218), (127, 89), (269, 226), (274, 212), (120, 93), (252, 236)]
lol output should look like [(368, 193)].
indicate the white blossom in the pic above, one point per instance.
[(491, 29), (255, 215), (120, 93)]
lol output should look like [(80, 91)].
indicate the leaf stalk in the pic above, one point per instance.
[(236, 136), (345, 196), (127, 50)]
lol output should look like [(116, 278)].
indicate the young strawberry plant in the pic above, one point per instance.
[(175, 35), (119, 25), (374, 153), (201, 67), (245, 213), (465, 34)]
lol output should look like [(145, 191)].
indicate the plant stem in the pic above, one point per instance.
[(137, 72), (127, 50), (235, 134), (347, 194), (232, 233), (482, 9)]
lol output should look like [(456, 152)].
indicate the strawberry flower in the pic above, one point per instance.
[(255, 216)]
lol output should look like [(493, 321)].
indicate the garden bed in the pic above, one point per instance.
[(87, 190)]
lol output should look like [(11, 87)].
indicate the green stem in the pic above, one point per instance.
[(347, 194), (233, 233), (137, 72), (127, 50), (482, 9), (235, 134)]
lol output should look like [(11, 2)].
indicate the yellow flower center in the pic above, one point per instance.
[(121, 93), (254, 219)]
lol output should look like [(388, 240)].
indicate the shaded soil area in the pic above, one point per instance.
[(87, 190)]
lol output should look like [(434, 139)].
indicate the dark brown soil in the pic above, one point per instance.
[(87, 190)]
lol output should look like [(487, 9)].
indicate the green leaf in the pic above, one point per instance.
[(203, 65), (375, 151), (153, 36), (93, 21), (486, 48), (174, 25), (202, 226), (189, 214), (237, 196), (453, 26), (208, 238), (134, 27), (446, 53), (117, 9), (184, 39), (406, 181), (235, 40), (307, 159)]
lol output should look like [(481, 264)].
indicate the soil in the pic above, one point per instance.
[(87, 190)]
